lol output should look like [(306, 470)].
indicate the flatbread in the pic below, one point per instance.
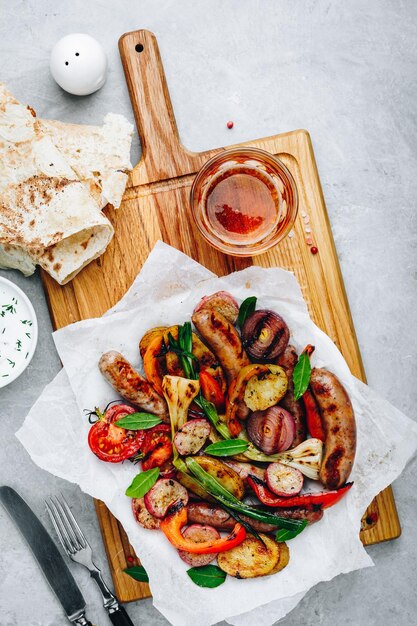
[(100, 155), (52, 190)]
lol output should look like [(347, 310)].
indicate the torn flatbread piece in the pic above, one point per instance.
[(100, 155), (46, 212), (54, 180)]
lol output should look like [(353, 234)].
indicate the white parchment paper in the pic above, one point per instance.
[(164, 293)]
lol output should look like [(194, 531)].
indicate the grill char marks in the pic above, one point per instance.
[(265, 335)]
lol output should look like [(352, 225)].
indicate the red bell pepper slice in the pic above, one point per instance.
[(211, 390), (325, 499), (313, 417), (177, 518)]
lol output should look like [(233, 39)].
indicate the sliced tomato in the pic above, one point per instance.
[(211, 390), (111, 443), (157, 447)]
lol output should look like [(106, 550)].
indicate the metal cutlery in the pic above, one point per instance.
[(79, 550), (47, 555)]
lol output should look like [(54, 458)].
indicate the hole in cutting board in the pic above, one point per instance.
[(139, 47)]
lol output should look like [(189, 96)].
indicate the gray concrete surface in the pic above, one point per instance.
[(346, 72)]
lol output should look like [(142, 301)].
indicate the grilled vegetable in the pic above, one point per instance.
[(150, 334), (306, 457), (324, 499), (192, 436), (313, 417), (211, 390), (229, 501), (197, 533), (179, 393), (265, 335), (272, 430), (225, 475), (265, 389), (236, 395), (142, 515), (222, 302), (164, 493), (157, 447), (251, 558), (176, 519), (204, 513), (152, 365), (288, 360), (244, 469), (190, 483), (284, 480), (283, 560)]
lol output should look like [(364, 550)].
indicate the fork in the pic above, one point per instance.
[(79, 550)]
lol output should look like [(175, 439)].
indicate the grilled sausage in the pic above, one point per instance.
[(339, 427), (131, 385), (203, 513), (223, 338), (288, 360)]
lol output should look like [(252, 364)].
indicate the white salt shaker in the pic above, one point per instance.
[(79, 64)]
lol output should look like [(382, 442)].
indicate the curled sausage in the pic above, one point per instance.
[(288, 360), (204, 513), (223, 338), (339, 427), (131, 385)]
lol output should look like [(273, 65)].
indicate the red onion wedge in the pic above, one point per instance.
[(265, 335), (272, 430), (284, 480)]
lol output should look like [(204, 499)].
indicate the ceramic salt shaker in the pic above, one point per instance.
[(79, 64)]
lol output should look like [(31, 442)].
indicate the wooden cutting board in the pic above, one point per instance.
[(156, 206)]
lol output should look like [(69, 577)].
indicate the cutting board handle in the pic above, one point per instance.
[(163, 155)]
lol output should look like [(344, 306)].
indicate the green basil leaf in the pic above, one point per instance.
[(227, 448), (207, 576), (142, 483), (246, 308), (286, 535), (301, 375), (138, 421), (138, 573)]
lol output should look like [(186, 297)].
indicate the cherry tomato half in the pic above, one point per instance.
[(112, 443), (157, 447)]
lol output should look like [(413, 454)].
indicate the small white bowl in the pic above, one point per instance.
[(18, 331)]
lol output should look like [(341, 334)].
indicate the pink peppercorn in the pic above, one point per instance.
[(229, 124), (314, 250), (130, 559)]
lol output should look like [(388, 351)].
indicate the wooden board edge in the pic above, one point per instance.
[(377, 526), (126, 588)]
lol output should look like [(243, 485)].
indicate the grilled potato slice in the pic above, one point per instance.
[(251, 558), (283, 560), (224, 474), (266, 389), (148, 336)]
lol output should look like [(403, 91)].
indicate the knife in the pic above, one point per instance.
[(47, 555)]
